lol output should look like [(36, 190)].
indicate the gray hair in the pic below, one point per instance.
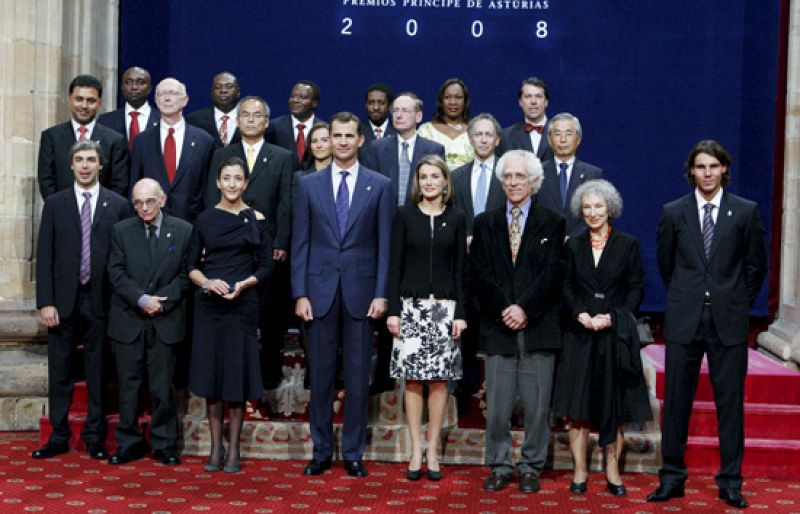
[(498, 130), (533, 167), (88, 144), (181, 86), (602, 188), (254, 98), (565, 116)]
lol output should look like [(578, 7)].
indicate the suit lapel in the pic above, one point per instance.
[(522, 137), (550, 184), (576, 179), (187, 155), (101, 208), (690, 217), (361, 193), (260, 163), (165, 237), (71, 207), (722, 225), (503, 241), (324, 193), (463, 185), (544, 143)]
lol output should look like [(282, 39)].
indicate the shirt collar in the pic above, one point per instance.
[(308, 123), (178, 126), (144, 110), (335, 169), (94, 190), (488, 162), (526, 207), (90, 126), (157, 222), (716, 201), (570, 163), (231, 114)]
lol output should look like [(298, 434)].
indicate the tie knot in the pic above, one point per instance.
[(515, 212), (405, 146), (134, 114), (709, 207), (83, 130), (483, 166), (224, 117), (87, 195), (151, 230), (344, 173), (301, 126), (563, 166), (171, 131)]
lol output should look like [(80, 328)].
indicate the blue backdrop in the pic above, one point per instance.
[(647, 79)]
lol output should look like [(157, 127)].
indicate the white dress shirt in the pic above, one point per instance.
[(570, 166), (94, 190), (701, 202), (232, 121), (89, 126), (351, 180), (307, 127), (536, 138), (476, 172), (144, 117)]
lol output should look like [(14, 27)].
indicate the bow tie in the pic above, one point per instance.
[(530, 126)]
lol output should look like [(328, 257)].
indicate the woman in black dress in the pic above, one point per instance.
[(232, 253), (426, 303), (600, 382)]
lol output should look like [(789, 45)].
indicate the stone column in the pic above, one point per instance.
[(44, 43), (783, 336)]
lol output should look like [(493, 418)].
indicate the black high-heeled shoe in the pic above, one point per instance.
[(414, 474), (578, 487), (616, 489), (433, 476), (215, 467)]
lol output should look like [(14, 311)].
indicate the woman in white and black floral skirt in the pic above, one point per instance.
[(426, 303)]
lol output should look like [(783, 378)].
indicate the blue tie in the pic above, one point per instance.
[(562, 180), (479, 202), (342, 203), (404, 171)]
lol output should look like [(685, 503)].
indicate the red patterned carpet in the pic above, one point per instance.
[(73, 483)]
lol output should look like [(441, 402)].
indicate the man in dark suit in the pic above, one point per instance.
[(54, 171), (137, 114), (175, 154), (517, 265), (340, 258), (377, 100), (565, 173), (269, 191), (397, 157), (219, 121), (712, 258), (72, 293), (291, 131), (149, 271), (477, 189), (531, 133)]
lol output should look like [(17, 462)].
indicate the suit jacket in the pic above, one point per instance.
[(533, 282), (462, 194), (116, 121), (359, 261), (732, 274), (369, 137), (58, 257), (185, 194), (281, 132), (382, 156), (515, 138), (550, 193), (54, 171), (268, 191), (204, 119), (132, 275)]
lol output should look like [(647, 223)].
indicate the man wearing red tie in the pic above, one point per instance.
[(291, 131), (137, 114), (174, 153), (220, 120), (531, 133)]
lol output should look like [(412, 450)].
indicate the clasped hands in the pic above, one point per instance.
[(514, 317), (597, 322), (223, 289)]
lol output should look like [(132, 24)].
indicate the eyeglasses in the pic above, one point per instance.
[(256, 116), (149, 202), (170, 93), (404, 110)]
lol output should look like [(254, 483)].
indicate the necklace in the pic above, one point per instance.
[(599, 244), (456, 126)]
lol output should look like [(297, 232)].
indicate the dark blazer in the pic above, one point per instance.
[(58, 256), (268, 191), (733, 273), (204, 119), (132, 275), (533, 282), (462, 194), (185, 194), (382, 156), (55, 173), (116, 121), (550, 193), (515, 138), (369, 136), (359, 261), (280, 132)]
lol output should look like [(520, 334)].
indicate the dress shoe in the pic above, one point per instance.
[(733, 497), (616, 489), (355, 468), (433, 475), (528, 483), (317, 467), (50, 450), (125, 456), (97, 451), (413, 474), (495, 482), (664, 493), (167, 456), (577, 487)]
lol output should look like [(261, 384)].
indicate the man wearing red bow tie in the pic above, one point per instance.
[(530, 134)]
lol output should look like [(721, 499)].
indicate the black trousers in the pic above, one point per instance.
[(62, 344), (727, 366), (277, 311)]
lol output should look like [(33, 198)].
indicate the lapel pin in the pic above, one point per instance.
[(105, 204), (543, 241), (582, 176), (265, 159), (444, 224), (369, 188), (192, 143), (730, 213), (169, 234), (246, 220)]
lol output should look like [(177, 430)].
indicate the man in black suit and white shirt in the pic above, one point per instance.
[(565, 173), (712, 257), (291, 131), (149, 271), (137, 114), (72, 293), (54, 170), (531, 133), (219, 121), (377, 101)]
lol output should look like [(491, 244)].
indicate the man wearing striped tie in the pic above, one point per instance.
[(712, 258)]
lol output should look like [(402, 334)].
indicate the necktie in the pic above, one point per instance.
[(514, 232), (152, 241), (708, 227), (83, 131), (404, 171), (378, 133), (529, 127), (301, 141), (86, 236), (134, 128), (342, 203), (223, 130), (251, 158), (562, 182), (479, 202), (170, 155)]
